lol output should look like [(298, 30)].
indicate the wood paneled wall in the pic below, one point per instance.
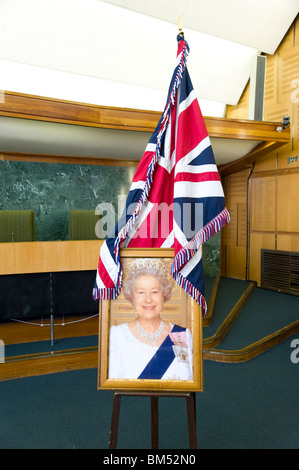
[(42, 257), (272, 212), (234, 235)]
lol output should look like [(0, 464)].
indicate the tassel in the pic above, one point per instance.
[(143, 198), (188, 251)]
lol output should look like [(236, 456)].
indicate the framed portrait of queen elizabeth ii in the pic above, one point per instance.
[(150, 336)]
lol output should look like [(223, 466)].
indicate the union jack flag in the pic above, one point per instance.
[(176, 197)]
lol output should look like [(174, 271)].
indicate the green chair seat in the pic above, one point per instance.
[(82, 225), (17, 226)]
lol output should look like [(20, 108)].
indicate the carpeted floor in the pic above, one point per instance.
[(252, 405), (60, 344), (264, 313)]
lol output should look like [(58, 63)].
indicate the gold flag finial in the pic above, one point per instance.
[(180, 26)]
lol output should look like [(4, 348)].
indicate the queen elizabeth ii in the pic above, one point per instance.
[(149, 347)]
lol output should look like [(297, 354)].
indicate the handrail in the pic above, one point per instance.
[(254, 349), (212, 341), (208, 318), (41, 355)]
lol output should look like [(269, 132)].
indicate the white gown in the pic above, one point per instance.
[(128, 356)]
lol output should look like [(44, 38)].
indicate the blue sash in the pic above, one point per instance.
[(160, 362)]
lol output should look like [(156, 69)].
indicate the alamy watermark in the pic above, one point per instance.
[(295, 353), (295, 93), (154, 219), (2, 352)]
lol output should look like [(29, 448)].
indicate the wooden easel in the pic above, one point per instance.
[(191, 414)]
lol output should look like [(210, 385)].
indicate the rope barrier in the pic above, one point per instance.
[(55, 324)]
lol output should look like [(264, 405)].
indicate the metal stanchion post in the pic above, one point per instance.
[(51, 310)]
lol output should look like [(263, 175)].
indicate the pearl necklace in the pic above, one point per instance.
[(152, 338)]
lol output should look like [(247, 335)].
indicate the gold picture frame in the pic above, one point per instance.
[(180, 310)]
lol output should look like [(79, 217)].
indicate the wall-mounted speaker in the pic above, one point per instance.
[(257, 88)]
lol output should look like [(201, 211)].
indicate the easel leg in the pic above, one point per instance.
[(191, 413), (154, 422), (114, 421)]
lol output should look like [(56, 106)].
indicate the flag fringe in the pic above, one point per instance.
[(109, 293), (112, 293), (105, 294), (122, 235), (191, 290), (189, 250)]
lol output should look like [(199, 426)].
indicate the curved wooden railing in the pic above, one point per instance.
[(215, 340), (254, 349), (207, 320), (250, 351)]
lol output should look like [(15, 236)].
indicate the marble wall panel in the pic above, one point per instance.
[(53, 189)]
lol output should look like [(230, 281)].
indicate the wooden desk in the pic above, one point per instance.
[(39, 257)]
